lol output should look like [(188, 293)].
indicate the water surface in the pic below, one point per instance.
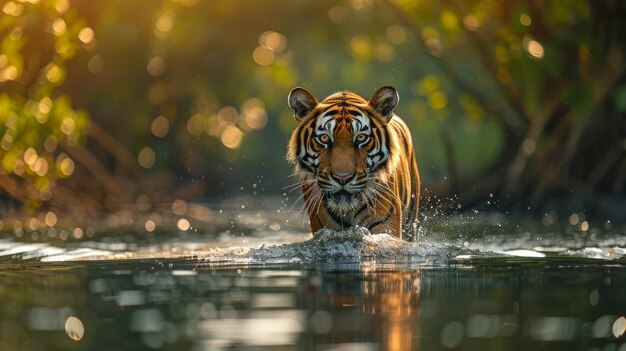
[(252, 279)]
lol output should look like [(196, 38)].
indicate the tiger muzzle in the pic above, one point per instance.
[(342, 177)]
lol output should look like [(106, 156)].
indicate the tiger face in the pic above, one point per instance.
[(342, 145), (347, 151), (344, 158)]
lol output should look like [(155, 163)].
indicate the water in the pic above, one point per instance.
[(252, 279)]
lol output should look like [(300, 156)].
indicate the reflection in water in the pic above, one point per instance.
[(395, 296), (74, 328), (361, 306), (529, 304), (378, 309)]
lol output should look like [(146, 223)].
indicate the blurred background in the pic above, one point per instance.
[(106, 104)]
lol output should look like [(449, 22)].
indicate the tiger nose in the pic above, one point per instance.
[(343, 178)]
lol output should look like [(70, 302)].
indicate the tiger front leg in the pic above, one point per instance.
[(313, 208), (387, 219)]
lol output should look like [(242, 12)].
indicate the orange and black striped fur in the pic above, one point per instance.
[(356, 162)]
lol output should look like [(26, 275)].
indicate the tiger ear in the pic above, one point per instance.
[(384, 101), (302, 102)]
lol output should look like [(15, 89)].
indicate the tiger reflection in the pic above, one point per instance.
[(387, 302)]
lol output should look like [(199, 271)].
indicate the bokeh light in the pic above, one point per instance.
[(437, 100), (150, 226), (30, 156), (231, 137), (584, 226), (179, 207), (146, 157), (50, 219), (619, 326), (254, 113), (165, 23), (273, 41), (62, 6), (53, 73), (86, 35), (95, 64), (50, 144), (338, 14), (361, 47), (156, 66), (13, 9), (8, 73), (471, 23), (384, 52), (68, 125), (59, 27), (396, 34), (452, 334), (40, 167), (227, 116), (263, 56), (74, 328), (183, 224), (65, 164), (449, 20), (533, 47), (197, 124), (160, 126), (78, 233)]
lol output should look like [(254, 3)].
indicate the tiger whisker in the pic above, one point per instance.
[(312, 194), (314, 199), (292, 186), (299, 174), (304, 193), (295, 186), (319, 201), (383, 192)]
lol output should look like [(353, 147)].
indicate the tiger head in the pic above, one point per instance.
[(341, 145)]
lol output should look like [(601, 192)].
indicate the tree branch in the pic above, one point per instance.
[(114, 147), (511, 125)]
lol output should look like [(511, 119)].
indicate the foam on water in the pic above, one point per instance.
[(355, 244)]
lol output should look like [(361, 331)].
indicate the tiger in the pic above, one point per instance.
[(355, 161)]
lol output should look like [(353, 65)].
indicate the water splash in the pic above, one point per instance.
[(355, 244)]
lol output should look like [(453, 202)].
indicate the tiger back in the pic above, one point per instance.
[(356, 162)]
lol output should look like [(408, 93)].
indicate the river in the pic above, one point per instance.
[(248, 276)]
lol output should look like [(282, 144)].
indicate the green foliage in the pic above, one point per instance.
[(36, 119), (194, 91)]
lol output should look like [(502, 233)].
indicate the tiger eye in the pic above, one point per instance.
[(361, 137), (324, 138)]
